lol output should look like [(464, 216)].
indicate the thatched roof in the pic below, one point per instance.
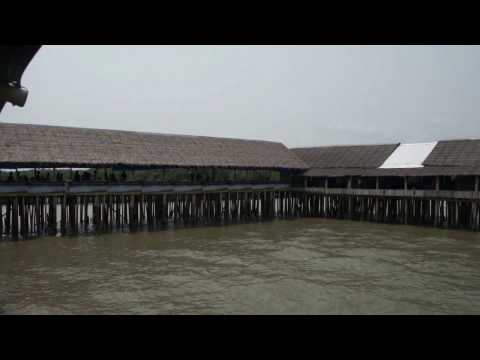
[(455, 153), (343, 160), (39, 145), (355, 156), (448, 158)]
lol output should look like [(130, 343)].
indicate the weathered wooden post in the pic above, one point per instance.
[(63, 214), (1, 218), (272, 204), (53, 215), (96, 213), (15, 219), (142, 209), (436, 202), (8, 216), (219, 207), (376, 208), (22, 217), (405, 200), (193, 214), (349, 196), (475, 204), (164, 210), (327, 199)]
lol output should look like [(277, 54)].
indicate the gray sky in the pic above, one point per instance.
[(298, 95)]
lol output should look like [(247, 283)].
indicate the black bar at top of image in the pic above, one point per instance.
[(307, 27)]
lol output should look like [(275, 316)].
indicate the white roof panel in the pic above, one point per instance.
[(408, 156)]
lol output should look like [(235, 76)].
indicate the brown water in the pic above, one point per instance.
[(307, 266)]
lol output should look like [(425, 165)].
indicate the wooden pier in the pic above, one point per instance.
[(59, 181), (129, 208), (443, 209), (79, 210)]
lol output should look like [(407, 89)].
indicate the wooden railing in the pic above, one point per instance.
[(433, 194), (33, 190)]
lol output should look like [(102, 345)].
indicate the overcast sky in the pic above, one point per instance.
[(298, 95)]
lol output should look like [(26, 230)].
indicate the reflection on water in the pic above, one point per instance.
[(307, 266)]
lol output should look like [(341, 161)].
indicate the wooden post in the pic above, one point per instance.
[(349, 196), (53, 215), (63, 215), (435, 203), (475, 205), (228, 209), (405, 201), (8, 216), (142, 209), (219, 207), (164, 210), (96, 213), (22, 216), (1, 218), (377, 207), (15, 219), (327, 200)]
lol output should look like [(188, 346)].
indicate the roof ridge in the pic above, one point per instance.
[(340, 145), (143, 132), (469, 139)]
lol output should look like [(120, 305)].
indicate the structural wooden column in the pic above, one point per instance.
[(436, 203), (376, 208), (194, 210), (15, 219), (349, 197), (23, 219), (1, 218), (142, 209), (227, 217), (219, 209), (63, 216), (327, 199), (164, 210), (475, 205), (405, 201)]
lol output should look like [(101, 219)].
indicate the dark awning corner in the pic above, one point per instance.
[(14, 59)]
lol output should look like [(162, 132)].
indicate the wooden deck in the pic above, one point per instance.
[(56, 189), (425, 194)]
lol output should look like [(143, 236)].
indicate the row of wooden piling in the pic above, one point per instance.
[(444, 213), (61, 214)]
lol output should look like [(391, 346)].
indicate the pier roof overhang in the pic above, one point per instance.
[(24, 145), (424, 171)]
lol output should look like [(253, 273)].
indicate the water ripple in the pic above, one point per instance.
[(307, 266)]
